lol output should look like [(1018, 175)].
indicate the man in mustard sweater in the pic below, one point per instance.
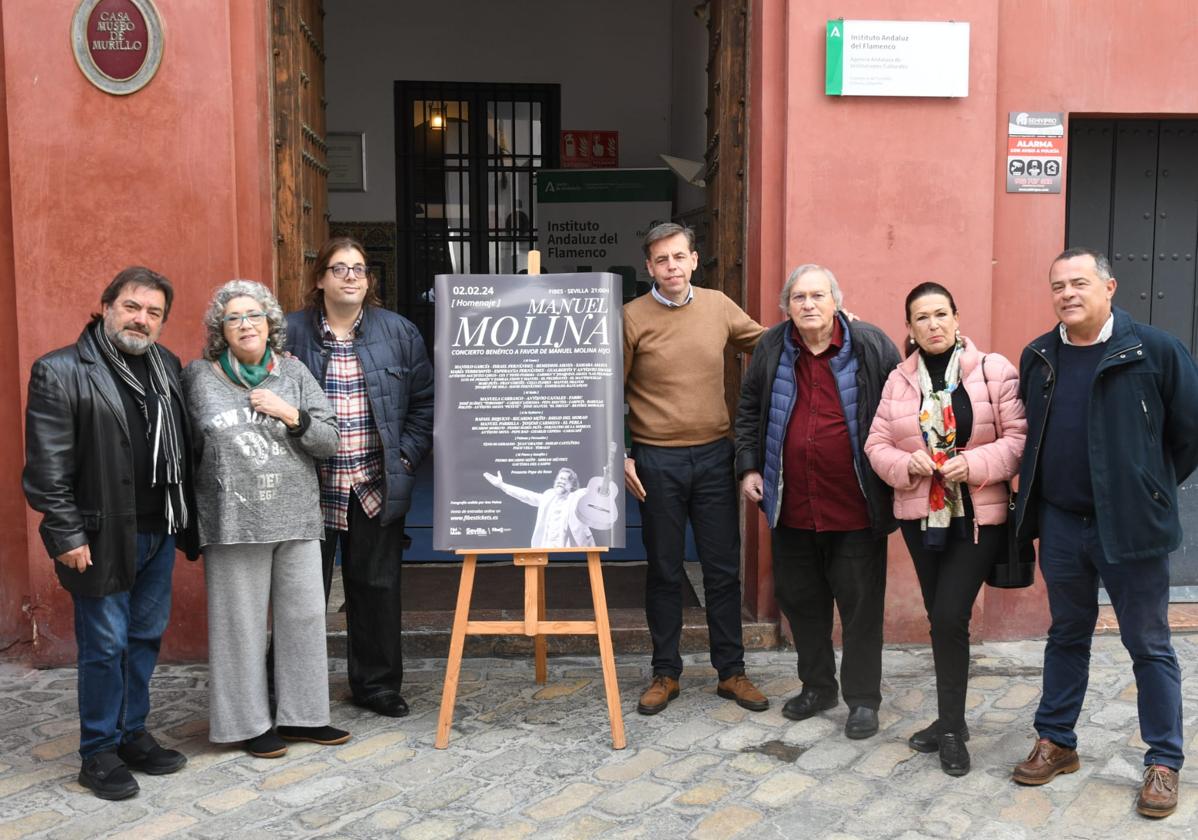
[(681, 462)]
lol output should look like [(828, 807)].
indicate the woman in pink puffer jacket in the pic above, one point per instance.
[(948, 436)]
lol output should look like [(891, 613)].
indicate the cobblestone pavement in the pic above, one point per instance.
[(529, 761)]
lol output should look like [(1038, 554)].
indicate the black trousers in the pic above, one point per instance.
[(695, 483), (950, 580), (814, 570), (371, 556)]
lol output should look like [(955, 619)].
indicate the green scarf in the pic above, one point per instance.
[(249, 376)]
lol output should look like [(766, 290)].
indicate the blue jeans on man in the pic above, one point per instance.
[(1072, 562), (118, 637)]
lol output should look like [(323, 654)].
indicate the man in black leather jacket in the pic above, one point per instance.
[(107, 466)]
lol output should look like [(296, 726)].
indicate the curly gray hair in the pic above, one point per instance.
[(214, 341)]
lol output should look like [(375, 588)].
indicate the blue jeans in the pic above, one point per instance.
[(1072, 562), (118, 637)]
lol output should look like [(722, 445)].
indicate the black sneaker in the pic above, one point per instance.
[(266, 745), (105, 775), (142, 753), (326, 735)]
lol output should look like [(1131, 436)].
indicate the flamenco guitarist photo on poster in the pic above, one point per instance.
[(566, 513)]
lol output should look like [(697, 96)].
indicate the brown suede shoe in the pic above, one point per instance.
[(738, 687), (658, 695), (1158, 797), (1045, 762)]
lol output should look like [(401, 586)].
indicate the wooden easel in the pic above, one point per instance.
[(534, 561), (534, 625)]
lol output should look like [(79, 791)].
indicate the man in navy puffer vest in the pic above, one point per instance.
[(806, 406)]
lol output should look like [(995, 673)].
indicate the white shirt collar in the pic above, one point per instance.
[(1103, 334), (690, 294)]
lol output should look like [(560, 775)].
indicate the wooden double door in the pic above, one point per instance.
[(301, 151)]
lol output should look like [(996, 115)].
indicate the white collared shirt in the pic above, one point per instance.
[(690, 294), (1103, 334)]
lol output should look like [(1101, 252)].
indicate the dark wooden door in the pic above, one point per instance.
[(1133, 193), (301, 155), (726, 162)]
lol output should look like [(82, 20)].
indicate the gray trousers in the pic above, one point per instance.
[(246, 583)]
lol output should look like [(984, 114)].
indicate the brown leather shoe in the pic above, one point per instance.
[(1045, 762), (658, 695), (1158, 796), (738, 687)]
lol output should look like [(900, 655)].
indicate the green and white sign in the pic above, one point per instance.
[(897, 58), (595, 219)]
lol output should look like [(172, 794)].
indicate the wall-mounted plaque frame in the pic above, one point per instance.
[(117, 43), (896, 58), (347, 161)]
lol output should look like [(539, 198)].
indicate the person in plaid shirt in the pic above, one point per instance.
[(377, 375)]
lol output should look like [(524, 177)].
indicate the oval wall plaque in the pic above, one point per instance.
[(117, 43)]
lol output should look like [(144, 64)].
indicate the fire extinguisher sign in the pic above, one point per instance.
[(589, 149)]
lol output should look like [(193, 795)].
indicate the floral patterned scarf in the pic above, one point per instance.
[(939, 426)]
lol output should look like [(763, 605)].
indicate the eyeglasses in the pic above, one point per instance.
[(236, 321), (341, 270)]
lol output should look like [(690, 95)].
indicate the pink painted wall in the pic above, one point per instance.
[(889, 192), (176, 176), (14, 549)]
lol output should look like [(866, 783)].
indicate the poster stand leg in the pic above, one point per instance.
[(540, 643), (457, 642), (607, 654), (533, 625)]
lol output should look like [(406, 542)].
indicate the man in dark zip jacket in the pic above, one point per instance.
[(806, 405), (1112, 410), (376, 373)]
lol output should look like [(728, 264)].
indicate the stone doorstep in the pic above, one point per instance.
[(1183, 618), (426, 634)]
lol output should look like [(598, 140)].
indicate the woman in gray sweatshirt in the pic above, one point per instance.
[(261, 422)]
